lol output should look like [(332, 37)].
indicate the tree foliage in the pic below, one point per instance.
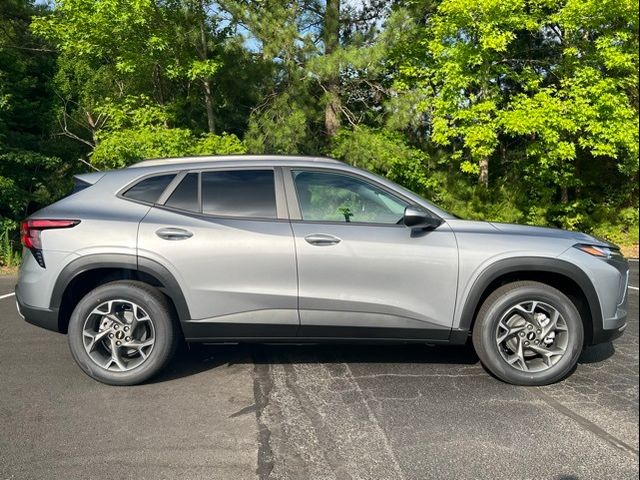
[(541, 94), (31, 169), (555, 80)]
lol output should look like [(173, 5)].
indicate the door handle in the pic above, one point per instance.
[(322, 239), (172, 233)]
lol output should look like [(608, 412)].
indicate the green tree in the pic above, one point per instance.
[(326, 65), (137, 130), (555, 79), (31, 167), (586, 113), (154, 53)]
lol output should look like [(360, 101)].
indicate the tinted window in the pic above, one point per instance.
[(149, 189), (79, 185), (240, 193), (185, 196), (334, 197)]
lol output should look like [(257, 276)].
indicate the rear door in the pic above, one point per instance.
[(362, 273), (225, 236)]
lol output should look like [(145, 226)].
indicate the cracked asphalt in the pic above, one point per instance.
[(314, 412)]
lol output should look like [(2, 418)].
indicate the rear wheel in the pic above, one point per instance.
[(528, 333), (122, 333)]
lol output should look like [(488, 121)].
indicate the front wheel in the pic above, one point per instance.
[(122, 333), (528, 333)]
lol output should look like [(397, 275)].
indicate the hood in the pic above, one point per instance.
[(578, 237)]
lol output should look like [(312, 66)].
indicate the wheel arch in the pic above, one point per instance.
[(87, 272), (560, 274)]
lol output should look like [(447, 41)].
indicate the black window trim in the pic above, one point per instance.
[(134, 182), (278, 185), (295, 214)]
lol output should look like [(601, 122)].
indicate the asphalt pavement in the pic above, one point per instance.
[(314, 412)]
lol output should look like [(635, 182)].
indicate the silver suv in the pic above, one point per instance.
[(298, 249)]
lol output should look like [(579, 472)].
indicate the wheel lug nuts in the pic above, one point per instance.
[(128, 339), (526, 344), (522, 334), (115, 326), (111, 335), (536, 342), (539, 331), (118, 343), (126, 329), (530, 327)]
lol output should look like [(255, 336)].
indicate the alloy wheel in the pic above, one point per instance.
[(118, 335), (532, 336)]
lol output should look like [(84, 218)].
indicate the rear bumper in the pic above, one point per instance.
[(40, 317)]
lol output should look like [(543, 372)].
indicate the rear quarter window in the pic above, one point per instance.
[(149, 189), (79, 185)]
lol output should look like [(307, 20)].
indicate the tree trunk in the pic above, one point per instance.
[(332, 111), (208, 101), (331, 44), (483, 177), (564, 195), (206, 82)]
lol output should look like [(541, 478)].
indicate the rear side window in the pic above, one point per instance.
[(149, 189), (239, 193), (185, 196)]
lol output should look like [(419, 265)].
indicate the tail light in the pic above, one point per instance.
[(30, 234)]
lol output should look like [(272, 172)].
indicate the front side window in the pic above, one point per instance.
[(149, 189), (239, 193), (333, 197)]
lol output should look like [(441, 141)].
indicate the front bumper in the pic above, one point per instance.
[(604, 285), (613, 327), (40, 317), (618, 325)]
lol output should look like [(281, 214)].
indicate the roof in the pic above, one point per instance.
[(270, 159)]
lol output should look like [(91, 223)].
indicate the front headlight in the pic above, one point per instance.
[(599, 251)]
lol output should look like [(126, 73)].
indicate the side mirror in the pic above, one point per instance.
[(417, 218)]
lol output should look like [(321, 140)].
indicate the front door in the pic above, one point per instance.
[(362, 273), (229, 244)]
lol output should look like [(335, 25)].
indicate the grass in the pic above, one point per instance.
[(10, 254)]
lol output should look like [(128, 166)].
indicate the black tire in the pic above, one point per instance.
[(498, 304), (157, 307)]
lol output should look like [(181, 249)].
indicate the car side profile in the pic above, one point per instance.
[(301, 249)]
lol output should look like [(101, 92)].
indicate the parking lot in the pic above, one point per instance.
[(314, 412)]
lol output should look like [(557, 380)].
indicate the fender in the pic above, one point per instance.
[(530, 264), (130, 262)]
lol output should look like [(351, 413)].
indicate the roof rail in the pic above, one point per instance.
[(221, 158)]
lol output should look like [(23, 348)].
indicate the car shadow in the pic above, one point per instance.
[(196, 358), (597, 353)]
